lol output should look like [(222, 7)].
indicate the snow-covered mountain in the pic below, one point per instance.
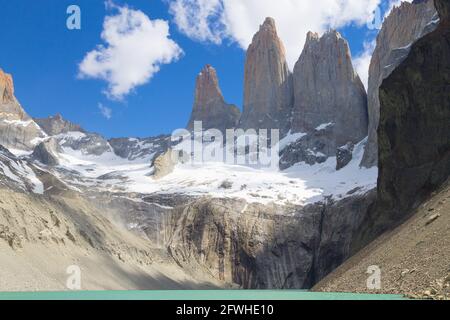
[(250, 225)]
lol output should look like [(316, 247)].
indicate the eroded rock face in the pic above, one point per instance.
[(86, 143), (315, 147), (46, 152), (56, 125), (264, 247), (414, 131), (344, 155), (163, 165), (328, 90), (17, 129), (268, 96), (210, 106), (6, 88), (402, 27), (138, 148)]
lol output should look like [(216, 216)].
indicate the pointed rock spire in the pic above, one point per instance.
[(327, 90), (9, 107), (209, 104), (6, 88), (268, 95)]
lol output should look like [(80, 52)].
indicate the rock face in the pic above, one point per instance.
[(414, 131), (46, 152), (328, 90), (163, 165), (210, 106), (86, 143), (136, 148), (56, 125), (17, 129), (401, 28), (314, 147), (344, 155), (260, 247), (330, 102), (6, 88), (17, 174), (268, 95)]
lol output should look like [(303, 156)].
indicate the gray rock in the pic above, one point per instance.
[(268, 95), (266, 247), (210, 106), (328, 90), (46, 152), (414, 131), (136, 148), (16, 173), (163, 165), (400, 30), (344, 155), (315, 147), (87, 143), (56, 125)]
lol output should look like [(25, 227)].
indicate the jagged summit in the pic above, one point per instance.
[(328, 90), (56, 124), (269, 25), (9, 106), (209, 104), (268, 84), (17, 129), (6, 87), (208, 85)]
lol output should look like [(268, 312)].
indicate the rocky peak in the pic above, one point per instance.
[(207, 88), (268, 94), (327, 90), (10, 108), (404, 25), (6, 87), (17, 129), (209, 104), (57, 124), (269, 26)]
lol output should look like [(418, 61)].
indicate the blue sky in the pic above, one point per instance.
[(44, 56)]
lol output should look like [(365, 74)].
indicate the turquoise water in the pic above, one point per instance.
[(194, 295)]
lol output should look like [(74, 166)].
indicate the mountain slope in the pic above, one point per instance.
[(413, 257), (40, 237)]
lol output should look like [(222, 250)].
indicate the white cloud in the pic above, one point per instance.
[(134, 50), (105, 111), (207, 24), (238, 20), (362, 62)]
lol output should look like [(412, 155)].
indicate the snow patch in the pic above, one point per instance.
[(324, 126)]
